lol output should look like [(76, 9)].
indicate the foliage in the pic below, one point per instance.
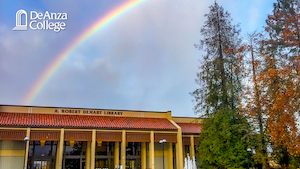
[(274, 95), (224, 130), (252, 104), (269, 64), (219, 77), (295, 162), (281, 76), (223, 140)]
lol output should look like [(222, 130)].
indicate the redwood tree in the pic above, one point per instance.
[(224, 130)]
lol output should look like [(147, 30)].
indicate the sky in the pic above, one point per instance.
[(144, 59)]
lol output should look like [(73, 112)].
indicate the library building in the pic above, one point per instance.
[(79, 138)]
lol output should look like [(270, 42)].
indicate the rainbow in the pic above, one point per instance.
[(84, 36)]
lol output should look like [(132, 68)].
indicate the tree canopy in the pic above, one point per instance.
[(223, 128), (249, 90)]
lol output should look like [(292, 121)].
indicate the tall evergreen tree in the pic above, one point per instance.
[(223, 128)]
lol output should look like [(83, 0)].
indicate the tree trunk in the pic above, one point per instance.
[(223, 83)]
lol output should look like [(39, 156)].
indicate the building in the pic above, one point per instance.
[(75, 138)]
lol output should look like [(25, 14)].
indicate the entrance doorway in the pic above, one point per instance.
[(133, 155), (42, 156), (74, 155), (105, 155)]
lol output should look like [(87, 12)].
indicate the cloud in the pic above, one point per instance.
[(143, 60), (17, 58), (137, 62), (151, 47)]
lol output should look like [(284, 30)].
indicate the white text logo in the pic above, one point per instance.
[(41, 21)]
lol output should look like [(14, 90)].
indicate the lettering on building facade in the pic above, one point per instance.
[(87, 111)]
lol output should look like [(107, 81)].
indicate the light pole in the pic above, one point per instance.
[(162, 142), (26, 139), (248, 152)]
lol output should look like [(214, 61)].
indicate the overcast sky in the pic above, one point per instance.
[(144, 60)]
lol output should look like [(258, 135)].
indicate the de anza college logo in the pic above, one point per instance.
[(41, 21)]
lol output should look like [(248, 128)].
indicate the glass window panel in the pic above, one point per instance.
[(133, 149), (76, 149), (106, 149), (49, 149)]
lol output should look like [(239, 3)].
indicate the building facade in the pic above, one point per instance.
[(75, 138)]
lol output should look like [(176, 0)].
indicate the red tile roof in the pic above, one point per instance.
[(80, 121), (190, 128)]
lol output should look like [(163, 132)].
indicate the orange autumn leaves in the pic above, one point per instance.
[(281, 79), (275, 90), (282, 108)]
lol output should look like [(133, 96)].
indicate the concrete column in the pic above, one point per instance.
[(93, 149), (192, 147), (57, 155), (88, 155), (176, 154), (143, 155), (61, 148), (179, 153), (170, 155), (123, 149), (151, 150), (117, 154), (27, 148), (183, 151)]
